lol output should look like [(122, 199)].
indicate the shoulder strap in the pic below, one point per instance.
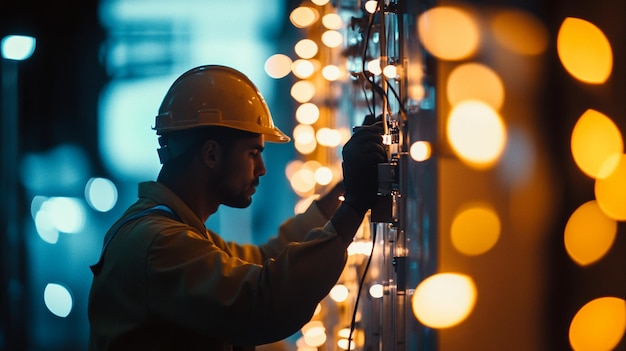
[(162, 210)]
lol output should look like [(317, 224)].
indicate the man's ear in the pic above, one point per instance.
[(211, 153)]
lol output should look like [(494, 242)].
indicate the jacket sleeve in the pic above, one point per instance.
[(193, 282), (294, 229)]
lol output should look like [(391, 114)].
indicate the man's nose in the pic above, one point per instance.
[(260, 167)]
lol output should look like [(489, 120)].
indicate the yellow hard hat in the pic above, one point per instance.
[(215, 95)]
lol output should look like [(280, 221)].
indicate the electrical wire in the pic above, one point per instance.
[(372, 107), (358, 296), (400, 102), (376, 88)]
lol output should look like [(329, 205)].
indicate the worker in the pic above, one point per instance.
[(166, 282)]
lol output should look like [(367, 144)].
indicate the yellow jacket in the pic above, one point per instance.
[(168, 284)]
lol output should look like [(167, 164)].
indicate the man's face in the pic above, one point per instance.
[(240, 172)]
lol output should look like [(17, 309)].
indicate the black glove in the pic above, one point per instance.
[(370, 119), (361, 156)]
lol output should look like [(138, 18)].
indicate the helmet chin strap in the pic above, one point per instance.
[(173, 146), (164, 154)]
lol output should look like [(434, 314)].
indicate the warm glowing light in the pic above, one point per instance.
[(304, 138), (303, 181), (611, 192), (332, 38), (415, 76), (315, 337), (376, 291), (58, 299), (304, 133), (475, 229), (313, 165), (476, 133), (292, 167), (346, 133), (371, 6), (302, 346), (320, 2), (475, 81), (420, 151), (323, 176), (306, 48), (302, 205), (339, 293), (311, 324), (302, 17), (416, 91), (332, 21), (390, 71), (589, 234), (584, 50), (444, 300), (596, 144), (343, 344), (317, 66), (360, 248), (331, 73), (314, 333), (599, 325), (344, 333), (373, 67), (328, 137), (305, 148), (520, 32), (303, 91), (307, 113), (17, 47), (278, 66), (448, 32), (302, 68)]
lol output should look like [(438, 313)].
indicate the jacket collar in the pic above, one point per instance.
[(161, 194)]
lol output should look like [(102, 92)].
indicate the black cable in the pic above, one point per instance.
[(367, 102), (400, 103), (376, 88), (370, 24), (358, 296)]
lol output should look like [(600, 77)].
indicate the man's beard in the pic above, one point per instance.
[(240, 199)]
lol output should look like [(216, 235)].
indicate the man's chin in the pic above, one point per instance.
[(239, 203)]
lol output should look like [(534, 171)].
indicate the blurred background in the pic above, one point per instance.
[(525, 198)]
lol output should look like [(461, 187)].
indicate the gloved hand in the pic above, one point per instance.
[(361, 155)]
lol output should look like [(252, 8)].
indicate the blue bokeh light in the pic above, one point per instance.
[(17, 47), (61, 214), (58, 299), (101, 194)]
